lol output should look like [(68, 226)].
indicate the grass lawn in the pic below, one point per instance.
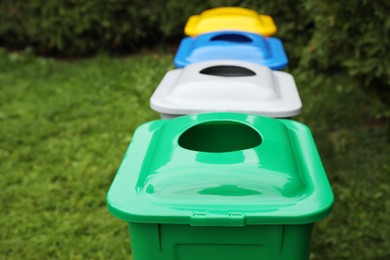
[(65, 125)]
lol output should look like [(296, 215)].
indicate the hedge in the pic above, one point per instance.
[(326, 35)]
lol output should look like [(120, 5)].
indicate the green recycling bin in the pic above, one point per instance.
[(221, 186)]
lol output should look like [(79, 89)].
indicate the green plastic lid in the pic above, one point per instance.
[(221, 169)]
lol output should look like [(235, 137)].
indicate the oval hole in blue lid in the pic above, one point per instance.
[(228, 71), (219, 137), (231, 37)]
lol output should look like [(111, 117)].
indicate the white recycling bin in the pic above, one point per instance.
[(226, 86)]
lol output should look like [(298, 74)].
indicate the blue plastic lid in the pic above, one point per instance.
[(235, 45)]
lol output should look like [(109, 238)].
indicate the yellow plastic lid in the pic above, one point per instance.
[(230, 18)]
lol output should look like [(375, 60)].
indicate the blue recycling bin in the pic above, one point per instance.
[(234, 45)]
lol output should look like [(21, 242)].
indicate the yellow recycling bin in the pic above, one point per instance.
[(230, 18)]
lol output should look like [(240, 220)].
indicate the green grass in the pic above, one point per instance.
[(65, 125)]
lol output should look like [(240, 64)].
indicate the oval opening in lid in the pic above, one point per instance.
[(231, 37), (220, 137), (227, 71)]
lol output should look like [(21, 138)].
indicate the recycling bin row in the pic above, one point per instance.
[(224, 174), (227, 65)]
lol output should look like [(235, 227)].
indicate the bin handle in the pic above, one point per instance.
[(227, 71), (240, 134), (235, 37)]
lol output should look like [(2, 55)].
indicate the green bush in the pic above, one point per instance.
[(353, 35), (324, 35), (85, 27), (73, 27)]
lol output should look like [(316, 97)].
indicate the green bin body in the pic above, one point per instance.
[(221, 186)]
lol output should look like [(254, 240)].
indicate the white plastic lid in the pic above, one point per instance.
[(227, 86)]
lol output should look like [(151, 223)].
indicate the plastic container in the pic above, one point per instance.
[(232, 45), (230, 18), (226, 86), (221, 186)]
